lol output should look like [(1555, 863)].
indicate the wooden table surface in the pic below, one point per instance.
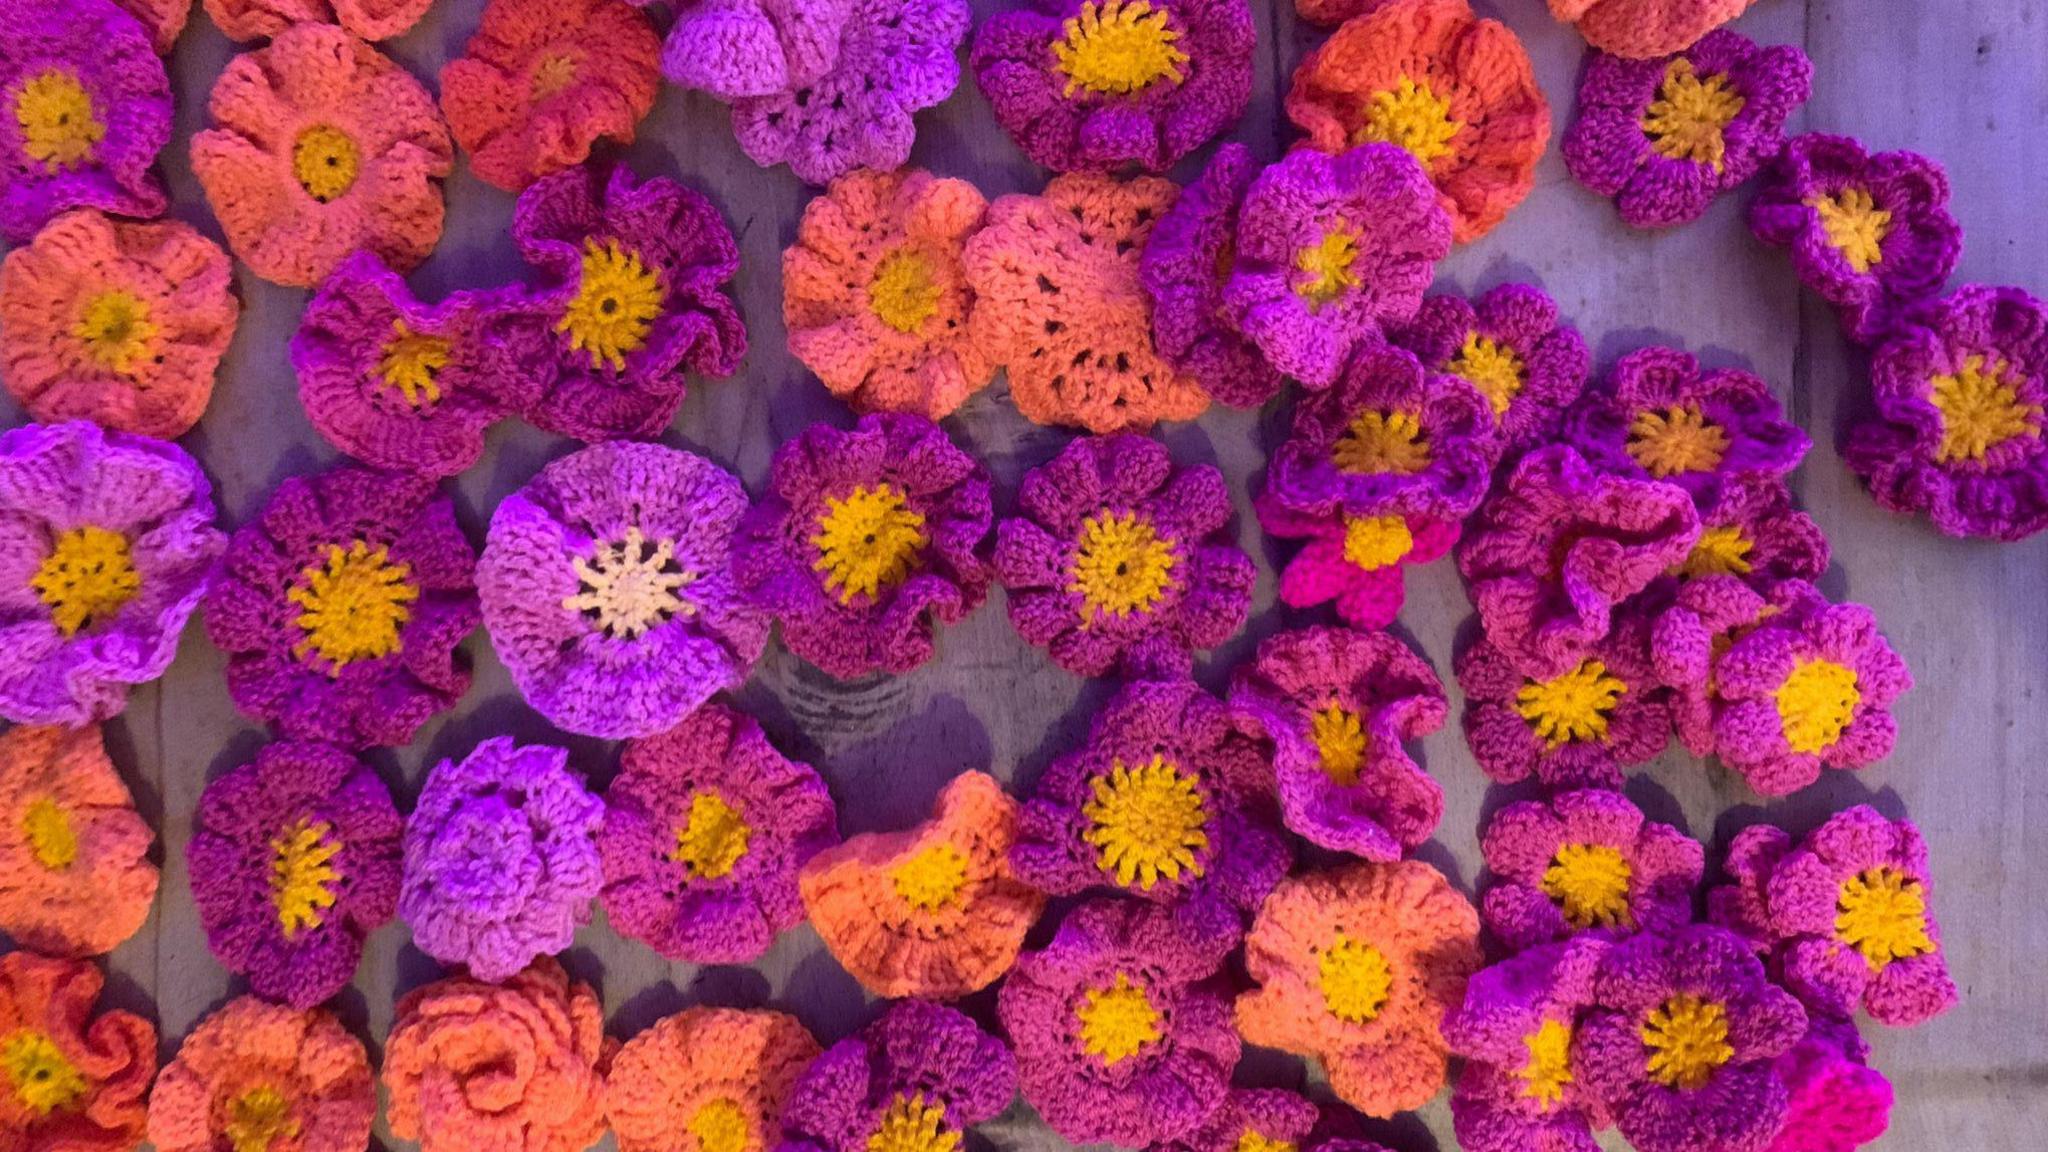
[(1964, 80)]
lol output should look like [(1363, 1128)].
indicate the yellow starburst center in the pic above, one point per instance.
[(630, 586), (1253, 1140), (713, 839), (51, 839), (1492, 367), (1341, 742), (1381, 442), (1688, 1041), (1121, 565), (1980, 409), (60, 128), (86, 578), (1574, 707), (931, 879), (552, 73), (905, 294), (1356, 980), (618, 297), (867, 541), (1375, 542), (303, 875), (353, 605), (913, 1124), (1676, 439), (1118, 1021), (1589, 884), (1882, 913), (1855, 226), (1327, 268), (1147, 822), (1412, 117), (1690, 116), (720, 1125), (116, 331), (410, 364), (1549, 1067), (1723, 550), (259, 1118), (1816, 702), (1119, 47), (43, 1078), (325, 162)]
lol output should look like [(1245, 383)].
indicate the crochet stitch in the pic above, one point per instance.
[(164, 19), (1252, 1118), (705, 1079), (1357, 561), (1577, 729), (369, 19), (256, 1076), (1514, 1031), (735, 48), (1637, 29), (69, 1080), (1184, 267), (75, 876), (1688, 638), (915, 1079), (1585, 861), (1836, 1103), (1509, 343)]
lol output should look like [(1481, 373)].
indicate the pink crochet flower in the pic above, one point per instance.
[(369, 19), (1255, 1120), (735, 48), (1514, 1030), (75, 874), (1184, 267), (1511, 345), (1753, 533), (1837, 1103), (1687, 640), (1356, 561), (1585, 861), (254, 1074), (1577, 729)]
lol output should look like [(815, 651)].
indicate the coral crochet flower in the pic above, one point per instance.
[(1585, 861), (321, 145), (1509, 343), (1356, 967), (1638, 29), (876, 298), (369, 19), (75, 876), (705, 829), (69, 1079), (106, 545), (608, 592), (1184, 267), (1577, 729), (118, 323), (915, 1080), (259, 1076), (501, 858), (1836, 1102), (735, 48), (706, 1079), (164, 19), (1270, 1119), (866, 541), (1514, 1031)]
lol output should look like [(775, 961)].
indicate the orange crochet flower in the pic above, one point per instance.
[(260, 1077), (165, 19), (1057, 275), (1641, 29), (69, 1082), (1356, 967), (707, 1080), (322, 145), (875, 297), (75, 876), (543, 80), (369, 19), (116, 322), (1455, 91), (934, 911)]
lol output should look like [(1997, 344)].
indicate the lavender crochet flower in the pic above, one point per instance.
[(1515, 1031), (918, 1077), (1584, 861), (106, 543), (608, 591), (866, 540), (1665, 136), (1511, 345), (1255, 1120), (735, 48), (1184, 268), (295, 859), (501, 858), (1577, 729)]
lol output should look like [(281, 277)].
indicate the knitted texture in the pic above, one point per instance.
[(255, 1075), (1099, 85), (705, 829), (931, 911), (1514, 1030), (69, 1080), (75, 876), (1752, 533), (369, 19), (608, 593), (866, 541), (1689, 637), (1836, 1104), (1184, 267), (1509, 343), (106, 543), (340, 607), (876, 298), (321, 145), (1637, 29), (1117, 561), (735, 48), (1356, 561), (501, 858), (164, 19), (706, 1078), (919, 1076), (1252, 1118), (1585, 861), (118, 323)]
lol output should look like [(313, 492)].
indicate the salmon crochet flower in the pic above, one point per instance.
[(735, 48), (1576, 729), (321, 145), (707, 1080), (1584, 861), (1637, 29), (369, 19), (914, 1080), (75, 876), (1514, 1031), (69, 1080), (1509, 343), (258, 1077), (165, 19), (1184, 267)]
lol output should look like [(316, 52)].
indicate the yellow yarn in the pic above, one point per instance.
[(303, 875), (1690, 116), (932, 879), (1120, 566), (1381, 442), (713, 838), (1146, 822), (43, 1078), (719, 1126), (353, 605), (1376, 542), (116, 331), (1882, 913), (1589, 884), (1573, 707), (60, 128), (911, 1124), (1355, 979), (1118, 47), (1492, 367), (1855, 226), (1117, 1022), (1722, 551), (1815, 703), (904, 293), (617, 301), (1980, 409), (1412, 117), (867, 541), (1688, 1041), (552, 73), (259, 1118), (1549, 1068), (411, 364), (1342, 743), (86, 578), (1329, 265), (51, 839), (325, 162), (1678, 439)]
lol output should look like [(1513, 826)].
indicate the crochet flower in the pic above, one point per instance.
[(633, 302), (1577, 729), (321, 145), (1689, 637), (68, 1079), (914, 1080), (1184, 267), (1056, 276), (501, 858), (1356, 561), (608, 593), (866, 541), (164, 19), (1665, 136), (1836, 1103), (473, 1065), (705, 829), (341, 605), (1514, 1031), (1355, 967), (1872, 234), (1098, 85), (1119, 561), (542, 81), (932, 911), (1328, 249), (1583, 861), (1270, 1119), (75, 876), (705, 1079), (1509, 343), (106, 542), (1754, 533), (1637, 29), (122, 324), (261, 19), (1338, 705), (876, 298), (260, 1076), (294, 861), (734, 48)]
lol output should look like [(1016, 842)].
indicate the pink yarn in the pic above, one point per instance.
[(1523, 843), (738, 48)]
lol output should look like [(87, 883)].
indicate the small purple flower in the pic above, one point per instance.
[(1688, 639), (1511, 345), (1357, 561), (735, 48), (1514, 1031), (920, 1072), (1585, 861), (1577, 729), (1742, 906), (1184, 268), (1837, 1103), (1253, 1119)]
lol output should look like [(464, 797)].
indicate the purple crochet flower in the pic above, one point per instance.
[(1515, 1030), (88, 108), (1688, 639), (501, 858), (1742, 906), (1872, 234), (1510, 344), (1356, 561), (1837, 1103), (1255, 1120), (705, 829), (1328, 249), (106, 545), (920, 1075), (1754, 533), (1584, 861), (1337, 706), (1098, 85), (1119, 561), (608, 592), (866, 541), (1577, 729), (1123, 1030), (295, 859), (736, 48), (341, 605), (1184, 268)]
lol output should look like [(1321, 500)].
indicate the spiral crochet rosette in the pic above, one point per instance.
[(707, 1079), (69, 1079), (259, 1076), (918, 1077), (261, 19), (75, 875)]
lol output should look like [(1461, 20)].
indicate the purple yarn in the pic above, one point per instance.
[(1506, 1005), (736, 48), (1184, 268), (914, 1049), (1522, 320), (1525, 840), (1274, 1115)]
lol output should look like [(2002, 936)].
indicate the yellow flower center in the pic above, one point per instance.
[(1491, 367), (1816, 702), (116, 331), (1376, 542), (1882, 913), (1855, 225), (59, 127), (325, 162), (1147, 822), (1120, 566), (1688, 1041), (1356, 980), (1253, 1140), (51, 839), (1678, 439), (44, 1079), (353, 605), (258, 1118), (1328, 266), (617, 300), (720, 1126), (86, 578), (1118, 47), (1549, 1068), (1573, 707), (1341, 742), (554, 72), (1980, 409), (1589, 884), (713, 838), (1690, 115), (303, 876), (1117, 1022), (904, 294), (631, 586), (868, 541), (910, 1124), (1722, 551), (1382, 442), (411, 364), (1411, 117), (932, 879)]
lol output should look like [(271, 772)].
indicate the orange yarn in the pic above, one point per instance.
[(707, 1080), (934, 911), (75, 876), (165, 19), (369, 19), (1057, 274), (260, 1077), (69, 1081), (1642, 29)]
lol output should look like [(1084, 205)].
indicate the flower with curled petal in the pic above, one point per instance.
[(1509, 343), (737, 48), (69, 1079), (1688, 638), (706, 1080), (1577, 729), (1514, 1030), (1253, 1120), (1585, 861), (1184, 267), (914, 1080), (267, 19), (257, 1077), (1837, 1103), (75, 876)]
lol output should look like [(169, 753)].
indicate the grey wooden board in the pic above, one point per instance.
[(1966, 80)]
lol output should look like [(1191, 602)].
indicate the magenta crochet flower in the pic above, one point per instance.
[(1123, 1030), (1337, 706), (1665, 136), (1510, 344), (705, 828), (1577, 729), (501, 858), (1356, 561), (1328, 249), (919, 1076), (1837, 1103), (1514, 1031), (106, 545), (1871, 234), (866, 541), (608, 591), (1184, 268), (1119, 561), (735, 48), (295, 859), (1255, 1120), (340, 607), (1754, 532), (1688, 639), (1584, 861), (1099, 85)]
